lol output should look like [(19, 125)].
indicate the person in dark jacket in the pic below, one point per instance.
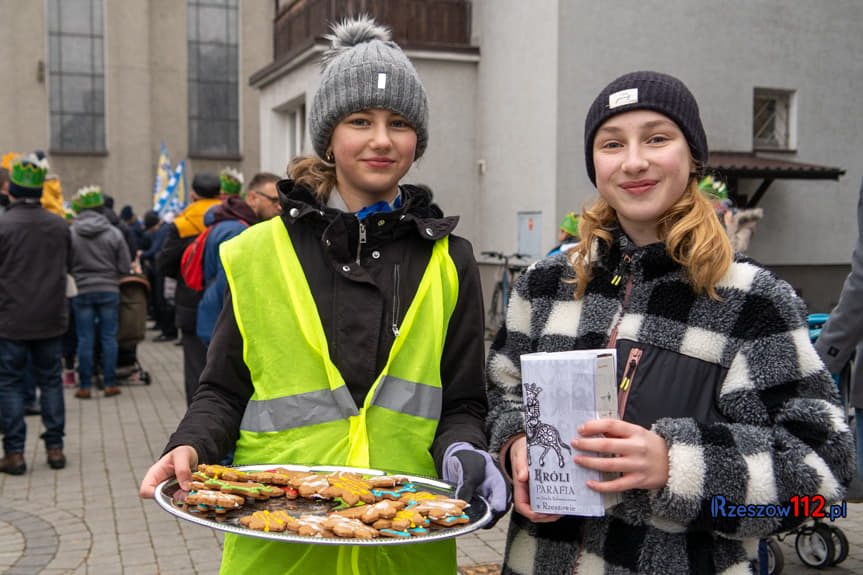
[(156, 230), (843, 333), (181, 232), (35, 251), (130, 221), (101, 257), (235, 215), (228, 219), (393, 305), (721, 391)]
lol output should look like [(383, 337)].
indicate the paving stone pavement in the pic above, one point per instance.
[(87, 519)]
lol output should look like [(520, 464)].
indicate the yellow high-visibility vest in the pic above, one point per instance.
[(301, 411)]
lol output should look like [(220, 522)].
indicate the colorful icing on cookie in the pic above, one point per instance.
[(253, 490), (222, 472), (267, 521), (396, 492), (350, 487)]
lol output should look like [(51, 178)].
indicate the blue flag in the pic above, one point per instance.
[(175, 192), (163, 174)]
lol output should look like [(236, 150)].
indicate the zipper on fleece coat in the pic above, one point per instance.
[(628, 377), (622, 269), (612, 338), (396, 279), (360, 243)]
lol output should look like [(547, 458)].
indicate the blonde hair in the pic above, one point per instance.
[(690, 229), (315, 174)]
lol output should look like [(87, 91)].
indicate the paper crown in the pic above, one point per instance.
[(230, 181), (28, 171), (87, 197), (570, 224), (713, 188)]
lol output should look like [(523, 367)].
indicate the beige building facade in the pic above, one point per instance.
[(143, 92)]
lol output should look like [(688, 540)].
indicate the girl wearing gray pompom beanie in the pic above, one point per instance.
[(352, 328), (367, 84)]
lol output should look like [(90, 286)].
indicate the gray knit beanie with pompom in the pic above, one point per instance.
[(365, 69)]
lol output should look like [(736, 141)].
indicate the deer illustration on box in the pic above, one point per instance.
[(539, 433)]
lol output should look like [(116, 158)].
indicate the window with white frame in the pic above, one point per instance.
[(773, 119), (296, 130), (76, 75), (213, 80)]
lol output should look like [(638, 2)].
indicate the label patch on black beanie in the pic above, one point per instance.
[(623, 98)]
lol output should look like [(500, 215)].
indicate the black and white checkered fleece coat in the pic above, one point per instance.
[(778, 429)]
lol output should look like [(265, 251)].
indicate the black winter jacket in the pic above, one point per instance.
[(735, 388), (185, 298), (35, 253), (358, 309)]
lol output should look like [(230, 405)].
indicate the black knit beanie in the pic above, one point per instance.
[(206, 184), (646, 91)]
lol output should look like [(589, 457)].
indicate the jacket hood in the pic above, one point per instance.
[(417, 208), (91, 223), (231, 208)]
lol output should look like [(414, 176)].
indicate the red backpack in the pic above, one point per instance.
[(192, 264)]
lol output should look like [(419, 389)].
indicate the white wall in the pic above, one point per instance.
[(517, 120), (449, 166), (722, 50), (296, 86)]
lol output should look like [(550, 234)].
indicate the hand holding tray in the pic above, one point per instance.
[(170, 497)]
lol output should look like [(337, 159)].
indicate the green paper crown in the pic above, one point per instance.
[(570, 224), (29, 172), (87, 197), (714, 189), (230, 182)]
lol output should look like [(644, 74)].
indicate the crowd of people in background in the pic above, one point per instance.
[(61, 264)]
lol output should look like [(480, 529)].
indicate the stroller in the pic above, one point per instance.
[(131, 328), (817, 544)]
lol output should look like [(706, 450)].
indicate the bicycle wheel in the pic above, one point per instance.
[(495, 313)]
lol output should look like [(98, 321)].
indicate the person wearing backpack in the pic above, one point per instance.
[(181, 232), (227, 220)]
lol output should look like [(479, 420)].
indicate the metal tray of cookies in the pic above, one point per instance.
[(169, 497)]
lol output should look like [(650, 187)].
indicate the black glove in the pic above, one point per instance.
[(475, 472)]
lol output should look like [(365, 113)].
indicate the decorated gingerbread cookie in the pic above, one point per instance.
[(311, 526), (346, 527), (276, 521), (213, 501), (246, 489), (350, 487)]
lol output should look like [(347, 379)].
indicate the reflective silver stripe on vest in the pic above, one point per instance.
[(409, 397), (299, 410)]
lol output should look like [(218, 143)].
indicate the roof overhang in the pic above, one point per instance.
[(733, 166)]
